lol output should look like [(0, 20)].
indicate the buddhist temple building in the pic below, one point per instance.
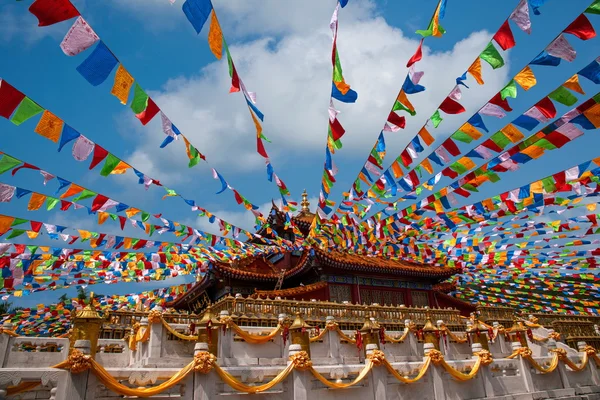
[(323, 275)]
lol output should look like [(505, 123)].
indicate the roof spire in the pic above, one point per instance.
[(305, 204)]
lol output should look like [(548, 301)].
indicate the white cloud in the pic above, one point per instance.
[(291, 74), (18, 24)]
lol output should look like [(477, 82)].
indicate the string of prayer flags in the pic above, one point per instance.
[(10, 98), (434, 28)]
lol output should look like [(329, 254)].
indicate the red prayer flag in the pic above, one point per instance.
[(149, 113), (122, 221), (10, 98), (98, 202), (492, 146), (504, 37), (235, 80), (450, 173), (35, 226), (99, 155), (260, 148), (397, 120), (417, 56), (337, 130), (497, 100), (64, 205), (582, 28), (49, 12), (238, 198), (450, 106), (451, 147), (406, 158), (546, 107), (557, 139), (25, 165)]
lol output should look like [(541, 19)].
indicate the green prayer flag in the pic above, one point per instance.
[(500, 139), (140, 99), (110, 164), (436, 119), (19, 221), (229, 60), (145, 216), (27, 109), (458, 168), (563, 96), (195, 157), (492, 56), (461, 137), (594, 8), (548, 184), (545, 144), (470, 188), (16, 232), (7, 162), (509, 90), (337, 69), (85, 194), (152, 229), (400, 106), (51, 202), (32, 249)]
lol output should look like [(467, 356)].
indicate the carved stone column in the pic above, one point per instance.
[(378, 376), (225, 338), (300, 379), (333, 340), (204, 384)]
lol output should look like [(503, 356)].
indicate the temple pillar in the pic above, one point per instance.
[(300, 379), (204, 384), (523, 369), (157, 335), (483, 376), (562, 371), (378, 377), (436, 374), (504, 347), (225, 338), (581, 346), (333, 340), (412, 340), (75, 386), (4, 342)]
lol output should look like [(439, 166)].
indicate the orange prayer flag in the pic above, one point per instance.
[(470, 130), (122, 85), (50, 126), (525, 78), (427, 165), (426, 136), (121, 168), (32, 234), (573, 84), (536, 187), (127, 244), (403, 99), (467, 163), (84, 234), (397, 170), (36, 201), (5, 223), (439, 208), (256, 123), (102, 217), (71, 191), (593, 114), (215, 36), (475, 71), (512, 133)]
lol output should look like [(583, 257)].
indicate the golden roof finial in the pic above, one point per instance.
[(305, 204)]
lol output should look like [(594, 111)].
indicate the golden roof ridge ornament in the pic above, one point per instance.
[(305, 203), (89, 311)]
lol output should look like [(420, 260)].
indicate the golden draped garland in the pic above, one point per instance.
[(248, 337), (77, 362), (178, 334), (399, 339), (444, 329), (525, 352), (483, 357)]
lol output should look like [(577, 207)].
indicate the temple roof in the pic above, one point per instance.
[(298, 290)]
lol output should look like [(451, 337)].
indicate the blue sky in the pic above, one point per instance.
[(281, 50)]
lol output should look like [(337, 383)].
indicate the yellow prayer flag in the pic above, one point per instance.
[(525, 78), (84, 234), (130, 212), (573, 84), (475, 71), (533, 151), (512, 133), (488, 204), (102, 217), (591, 207), (470, 130), (122, 85), (32, 234), (127, 244), (426, 136), (439, 208), (121, 168), (36, 201), (467, 163), (536, 187), (593, 114), (50, 126), (215, 36)]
